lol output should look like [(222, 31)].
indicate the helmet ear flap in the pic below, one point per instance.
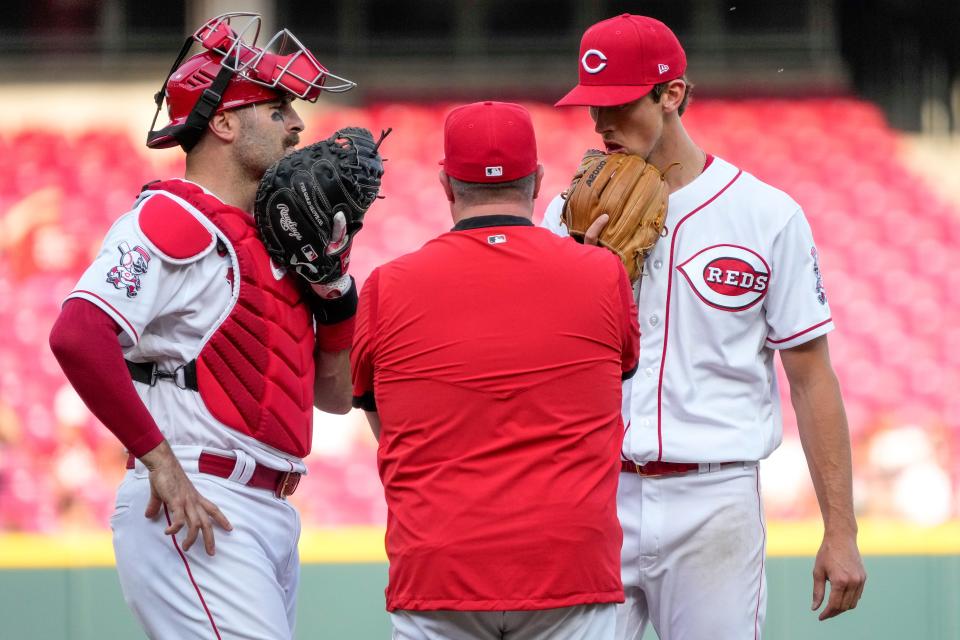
[(188, 133)]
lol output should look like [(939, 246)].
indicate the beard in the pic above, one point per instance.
[(255, 155), (255, 150)]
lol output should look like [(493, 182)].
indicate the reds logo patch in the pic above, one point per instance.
[(591, 55), (133, 264), (727, 277)]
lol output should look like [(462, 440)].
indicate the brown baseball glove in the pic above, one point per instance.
[(629, 190)]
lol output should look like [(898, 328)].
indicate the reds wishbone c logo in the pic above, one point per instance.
[(727, 276), (590, 54)]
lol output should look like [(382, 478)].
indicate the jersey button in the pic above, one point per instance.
[(649, 372), (645, 422), (654, 320), (657, 264)]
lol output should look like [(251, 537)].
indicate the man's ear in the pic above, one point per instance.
[(447, 188), (224, 125), (537, 181), (673, 96)]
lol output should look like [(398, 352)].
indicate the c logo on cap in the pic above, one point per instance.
[(599, 66)]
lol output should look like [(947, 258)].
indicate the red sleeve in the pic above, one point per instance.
[(84, 341), (630, 329), (361, 357), (336, 319), (332, 338)]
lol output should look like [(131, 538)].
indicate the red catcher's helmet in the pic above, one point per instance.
[(191, 79), (234, 72)]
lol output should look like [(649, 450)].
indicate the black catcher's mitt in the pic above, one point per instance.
[(311, 203)]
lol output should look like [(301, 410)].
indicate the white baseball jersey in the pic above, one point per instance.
[(734, 278), (167, 308)]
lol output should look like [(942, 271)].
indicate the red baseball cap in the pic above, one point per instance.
[(489, 142), (622, 58)]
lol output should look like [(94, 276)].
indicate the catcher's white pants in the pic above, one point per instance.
[(247, 590), (582, 622), (693, 555)]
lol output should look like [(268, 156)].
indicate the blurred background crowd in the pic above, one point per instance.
[(858, 121)]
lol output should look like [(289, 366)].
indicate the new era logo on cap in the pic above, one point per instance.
[(663, 68), (494, 172)]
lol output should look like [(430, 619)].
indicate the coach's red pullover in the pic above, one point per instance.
[(494, 357)]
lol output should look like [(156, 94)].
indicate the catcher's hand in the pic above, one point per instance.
[(631, 192), (311, 203)]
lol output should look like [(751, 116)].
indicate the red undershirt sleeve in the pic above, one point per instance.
[(84, 341)]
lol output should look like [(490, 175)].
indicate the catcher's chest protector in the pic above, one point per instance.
[(255, 372)]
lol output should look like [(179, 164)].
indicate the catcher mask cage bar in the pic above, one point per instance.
[(296, 72)]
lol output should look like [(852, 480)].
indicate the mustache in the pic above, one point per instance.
[(291, 140)]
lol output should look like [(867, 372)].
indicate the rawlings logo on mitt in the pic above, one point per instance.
[(311, 203), (629, 190)]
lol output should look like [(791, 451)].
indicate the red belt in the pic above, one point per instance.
[(282, 483), (651, 469)]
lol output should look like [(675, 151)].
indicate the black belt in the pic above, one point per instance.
[(184, 376)]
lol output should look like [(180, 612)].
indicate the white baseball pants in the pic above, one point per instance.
[(693, 554), (247, 590)]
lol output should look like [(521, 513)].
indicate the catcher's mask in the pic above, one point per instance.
[(234, 72)]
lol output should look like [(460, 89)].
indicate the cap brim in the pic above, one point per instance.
[(603, 95)]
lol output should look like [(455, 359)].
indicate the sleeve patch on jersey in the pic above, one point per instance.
[(133, 263), (820, 290), (173, 230)]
